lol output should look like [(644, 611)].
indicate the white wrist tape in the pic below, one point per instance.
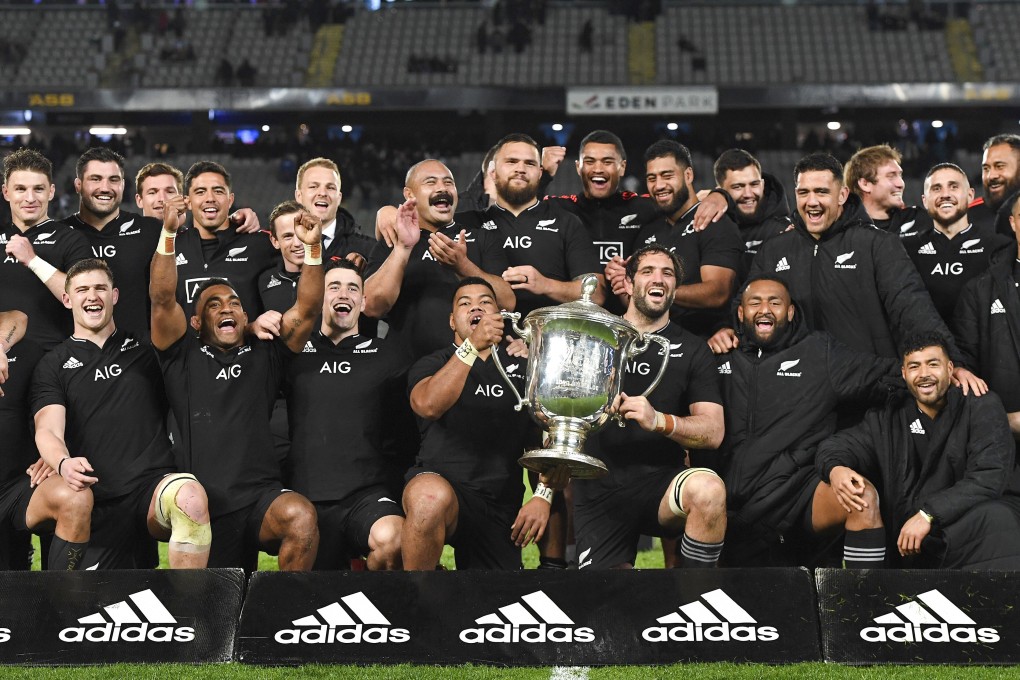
[(41, 268), (165, 245)]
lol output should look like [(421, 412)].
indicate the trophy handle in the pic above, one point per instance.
[(515, 318), (649, 338), (526, 334)]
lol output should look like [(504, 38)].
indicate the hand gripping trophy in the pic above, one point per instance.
[(577, 352)]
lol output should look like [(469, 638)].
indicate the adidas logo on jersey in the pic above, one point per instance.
[(125, 229), (3, 239), (233, 253), (725, 368), (650, 239), (916, 427), (714, 617), (997, 307), (782, 265), (309, 348), (932, 619), (490, 225), (181, 259), (927, 249), (273, 282), (359, 622), (784, 369), (540, 621), (155, 624), (841, 261), (73, 363)]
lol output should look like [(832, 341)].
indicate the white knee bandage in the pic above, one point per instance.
[(185, 533), (676, 489)]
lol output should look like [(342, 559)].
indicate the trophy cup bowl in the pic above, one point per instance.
[(577, 353)]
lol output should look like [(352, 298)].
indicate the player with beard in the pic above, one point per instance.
[(850, 279), (123, 239), (709, 258), (38, 250), (955, 251), (226, 440), (435, 247), (1000, 175), (100, 423), (548, 250), (875, 176), (760, 209), (33, 502), (215, 247), (346, 460), (776, 501), (949, 480), (649, 490), (466, 486)]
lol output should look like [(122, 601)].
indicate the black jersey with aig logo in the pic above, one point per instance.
[(690, 378), (57, 244), (477, 442), (222, 402), (549, 239), (17, 445), (115, 409), (350, 422), (126, 243)]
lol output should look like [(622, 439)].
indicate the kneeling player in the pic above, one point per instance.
[(466, 486), (222, 387), (345, 459), (99, 395), (649, 490)]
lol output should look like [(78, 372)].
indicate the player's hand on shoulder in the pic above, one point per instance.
[(516, 347), (724, 340), (267, 326), (246, 221)]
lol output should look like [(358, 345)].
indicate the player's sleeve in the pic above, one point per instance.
[(857, 375), (721, 245), (854, 448), (426, 367), (46, 388), (703, 377), (492, 256), (71, 247)]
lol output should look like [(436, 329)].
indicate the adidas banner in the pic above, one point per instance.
[(912, 616), (134, 616), (531, 618)]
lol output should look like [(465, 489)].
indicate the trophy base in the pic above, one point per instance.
[(581, 466)]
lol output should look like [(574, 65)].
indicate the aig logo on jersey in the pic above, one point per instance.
[(608, 250), (139, 618), (517, 242), (932, 617), (714, 617), (535, 618), (355, 621)]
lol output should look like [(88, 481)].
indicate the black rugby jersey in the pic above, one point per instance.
[(115, 405), (351, 426), (477, 442), (61, 246), (126, 243), (613, 222), (278, 289), (222, 402), (17, 443)]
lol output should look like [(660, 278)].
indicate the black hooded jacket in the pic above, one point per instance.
[(855, 282), (772, 219), (780, 403)]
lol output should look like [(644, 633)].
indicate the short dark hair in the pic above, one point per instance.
[(918, 341), (818, 162), (603, 137), (515, 138), (99, 154), (202, 167), (635, 260), (732, 159), (343, 263), (1012, 140), (946, 166), (285, 208), (156, 169), (30, 160), (473, 281), (764, 277), (209, 283), (668, 147), (89, 264)]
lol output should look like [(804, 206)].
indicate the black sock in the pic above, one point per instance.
[(65, 556), (864, 549), (552, 563), (699, 555)]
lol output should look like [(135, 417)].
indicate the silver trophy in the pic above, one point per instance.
[(577, 353)]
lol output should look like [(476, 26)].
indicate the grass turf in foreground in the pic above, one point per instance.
[(701, 671)]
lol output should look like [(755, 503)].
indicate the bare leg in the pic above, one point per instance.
[(431, 508), (290, 523), (384, 543)]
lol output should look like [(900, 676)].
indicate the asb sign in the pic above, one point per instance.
[(530, 618), (132, 616), (893, 616)]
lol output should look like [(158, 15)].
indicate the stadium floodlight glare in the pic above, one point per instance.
[(14, 131), (672, 126), (347, 128), (103, 130), (265, 128), (834, 125), (557, 127), (936, 124)]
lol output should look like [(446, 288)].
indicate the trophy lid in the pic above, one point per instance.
[(585, 309)]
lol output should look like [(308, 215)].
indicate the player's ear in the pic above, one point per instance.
[(789, 313), (195, 323), (452, 326), (66, 299), (740, 313)]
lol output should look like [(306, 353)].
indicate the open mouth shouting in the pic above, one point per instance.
[(926, 387), (442, 201), (476, 318), (342, 309), (764, 324), (93, 311)]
